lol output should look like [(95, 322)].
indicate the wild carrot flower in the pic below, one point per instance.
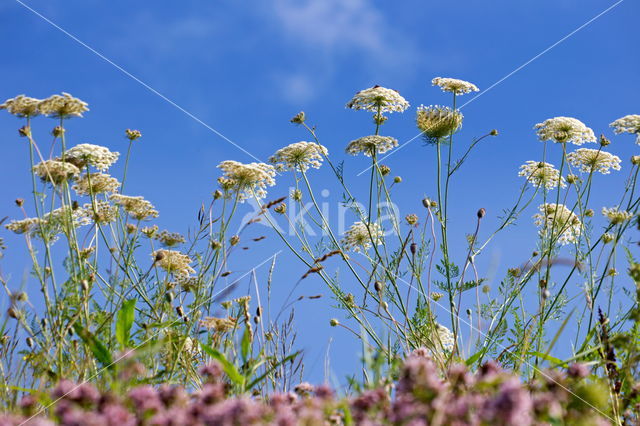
[(359, 237), (563, 130), (565, 224), (628, 124), (542, 174), (22, 106), (453, 85), (137, 207), (438, 121), (62, 106), (96, 183), (173, 262), (88, 154), (616, 216), (169, 239), (55, 171), (22, 226), (378, 98), (295, 194), (445, 336), (101, 212), (299, 156), (247, 179), (132, 134), (593, 160), (370, 145)]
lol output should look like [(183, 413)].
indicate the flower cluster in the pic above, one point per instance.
[(564, 130), (55, 171), (299, 156), (453, 85), (95, 183), (22, 106), (628, 124), (173, 262), (360, 236), (247, 180), (558, 222), (56, 106), (542, 174), (378, 99), (101, 211), (370, 145), (593, 160), (137, 207), (437, 122), (422, 395), (87, 154), (169, 239), (616, 216)]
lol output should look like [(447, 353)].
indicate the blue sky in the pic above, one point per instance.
[(245, 68)]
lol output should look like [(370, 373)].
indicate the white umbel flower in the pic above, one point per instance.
[(542, 174), (378, 98), (94, 155), (628, 124), (445, 337), (453, 85), (563, 130), (358, 238), (616, 216), (247, 179), (593, 160), (299, 156), (22, 106), (62, 106), (173, 262), (96, 183), (557, 218), (55, 171), (137, 207), (437, 122), (370, 145)]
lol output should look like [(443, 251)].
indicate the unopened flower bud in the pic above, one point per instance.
[(604, 141), (414, 248), (378, 286), (397, 179), (589, 213), (30, 342), (159, 256), (607, 237), (13, 313), (494, 132), (85, 285), (131, 228), (411, 219), (24, 131), (546, 294), (280, 208), (19, 202), (234, 240), (385, 170), (168, 296), (334, 322), (58, 131), (216, 245), (635, 160), (132, 135), (217, 194), (22, 297), (571, 179), (468, 312), (481, 213)]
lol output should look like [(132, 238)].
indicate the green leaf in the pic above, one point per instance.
[(227, 366), (99, 350), (124, 322), (473, 358), (245, 345), (547, 357)]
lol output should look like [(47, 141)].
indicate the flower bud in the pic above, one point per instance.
[(19, 202), (132, 135), (334, 322), (58, 131), (635, 160), (494, 132), (234, 240), (30, 342), (24, 131), (378, 286), (604, 141), (481, 213), (217, 194), (414, 248), (299, 118), (385, 170), (397, 179), (280, 208)]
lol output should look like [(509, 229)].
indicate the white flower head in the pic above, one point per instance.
[(445, 337), (453, 85), (62, 106), (370, 145), (437, 122), (378, 98), (542, 174), (628, 124), (100, 211), (173, 262), (563, 130), (359, 237), (88, 154), (22, 106), (616, 216), (559, 223), (55, 171), (95, 183), (248, 180), (137, 207), (299, 156), (593, 160)]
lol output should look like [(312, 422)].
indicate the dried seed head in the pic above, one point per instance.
[(378, 286), (385, 170), (19, 202), (13, 313), (180, 311), (160, 255), (299, 118), (481, 213), (607, 237), (412, 219), (217, 194), (131, 228), (216, 245), (234, 240), (604, 141), (542, 283), (589, 213)]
